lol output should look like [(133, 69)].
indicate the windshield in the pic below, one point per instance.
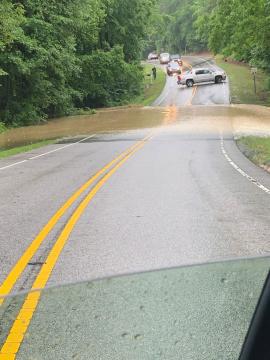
[(174, 65), (118, 158), (202, 312)]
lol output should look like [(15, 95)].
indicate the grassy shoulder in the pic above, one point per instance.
[(242, 85), (83, 111), (3, 128), (257, 149), (152, 88), (25, 148)]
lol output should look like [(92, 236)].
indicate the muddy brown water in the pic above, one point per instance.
[(240, 119)]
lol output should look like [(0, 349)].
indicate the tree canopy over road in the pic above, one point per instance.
[(236, 28), (59, 55)]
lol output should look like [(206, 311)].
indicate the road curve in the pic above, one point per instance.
[(204, 94), (177, 193), (177, 201)]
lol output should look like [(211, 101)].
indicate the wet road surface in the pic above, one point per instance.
[(200, 94), (176, 201), (183, 193), (109, 322)]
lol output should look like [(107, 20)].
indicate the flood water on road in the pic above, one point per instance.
[(103, 121), (240, 120)]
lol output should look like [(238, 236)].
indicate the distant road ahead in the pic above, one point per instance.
[(123, 202), (203, 94)]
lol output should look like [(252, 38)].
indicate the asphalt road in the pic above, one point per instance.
[(184, 196), (204, 94), (176, 201)]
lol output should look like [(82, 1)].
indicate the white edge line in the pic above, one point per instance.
[(49, 152), (242, 172), (61, 148), (9, 166), (46, 153)]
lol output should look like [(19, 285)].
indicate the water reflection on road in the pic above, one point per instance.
[(238, 119)]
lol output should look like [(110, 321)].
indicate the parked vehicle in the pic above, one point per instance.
[(202, 75), (175, 57), (153, 56), (164, 58), (173, 68)]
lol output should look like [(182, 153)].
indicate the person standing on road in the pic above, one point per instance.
[(154, 72)]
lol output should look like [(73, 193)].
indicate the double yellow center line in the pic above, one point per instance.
[(187, 65), (194, 91), (20, 325)]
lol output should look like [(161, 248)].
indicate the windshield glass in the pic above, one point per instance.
[(200, 312), (174, 65), (117, 157)]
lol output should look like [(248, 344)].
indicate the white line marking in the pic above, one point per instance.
[(8, 166), (242, 172), (46, 153), (61, 148)]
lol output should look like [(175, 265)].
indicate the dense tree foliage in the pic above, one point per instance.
[(173, 24), (58, 54), (236, 28), (127, 23)]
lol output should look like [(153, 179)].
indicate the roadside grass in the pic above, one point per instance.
[(257, 149), (83, 111), (25, 148), (152, 88), (2, 127), (242, 85)]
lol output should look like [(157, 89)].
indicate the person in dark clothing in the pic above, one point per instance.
[(154, 72)]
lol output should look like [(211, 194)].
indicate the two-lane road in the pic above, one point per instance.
[(201, 94), (128, 201), (178, 200)]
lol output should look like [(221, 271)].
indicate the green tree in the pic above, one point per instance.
[(127, 24), (11, 19), (236, 28), (174, 27), (59, 54), (110, 80), (42, 62)]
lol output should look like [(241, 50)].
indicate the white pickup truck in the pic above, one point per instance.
[(201, 75)]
